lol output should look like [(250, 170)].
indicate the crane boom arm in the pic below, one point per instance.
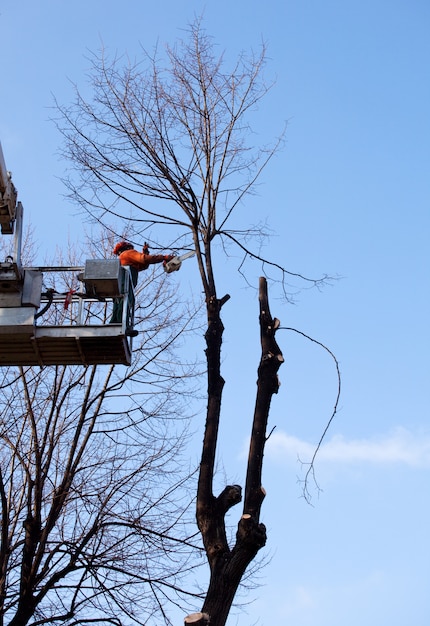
[(8, 197)]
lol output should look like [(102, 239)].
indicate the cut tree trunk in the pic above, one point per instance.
[(228, 564)]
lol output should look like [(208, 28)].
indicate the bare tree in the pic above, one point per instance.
[(93, 481), (166, 147)]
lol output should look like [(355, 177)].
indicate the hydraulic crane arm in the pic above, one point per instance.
[(8, 196)]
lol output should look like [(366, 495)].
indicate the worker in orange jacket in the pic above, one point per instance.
[(136, 261)]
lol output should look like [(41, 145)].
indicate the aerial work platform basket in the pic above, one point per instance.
[(89, 325), (73, 345), (74, 329)]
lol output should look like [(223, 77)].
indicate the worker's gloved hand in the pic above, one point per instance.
[(168, 257), (145, 248)]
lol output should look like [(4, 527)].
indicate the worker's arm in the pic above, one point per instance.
[(150, 259)]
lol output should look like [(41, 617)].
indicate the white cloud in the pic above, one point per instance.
[(399, 446), (338, 599)]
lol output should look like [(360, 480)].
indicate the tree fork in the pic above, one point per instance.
[(228, 566)]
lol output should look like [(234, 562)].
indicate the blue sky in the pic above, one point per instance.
[(349, 196)]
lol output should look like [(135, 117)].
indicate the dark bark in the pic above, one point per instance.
[(267, 385), (228, 564)]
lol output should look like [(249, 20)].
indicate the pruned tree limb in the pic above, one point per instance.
[(228, 564)]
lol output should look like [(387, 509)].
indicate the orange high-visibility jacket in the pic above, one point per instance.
[(141, 261)]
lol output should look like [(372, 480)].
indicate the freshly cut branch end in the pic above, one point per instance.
[(199, 619), (251, 532)]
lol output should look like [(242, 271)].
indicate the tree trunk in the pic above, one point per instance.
[(228, 565)]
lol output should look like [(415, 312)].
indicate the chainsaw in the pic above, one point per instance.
[(174, 264)]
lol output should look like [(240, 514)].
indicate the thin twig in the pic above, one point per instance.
[(311, 465)]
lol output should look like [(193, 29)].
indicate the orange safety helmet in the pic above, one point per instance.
[(121, 246)]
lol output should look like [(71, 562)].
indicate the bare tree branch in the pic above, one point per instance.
[(310, 473)]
